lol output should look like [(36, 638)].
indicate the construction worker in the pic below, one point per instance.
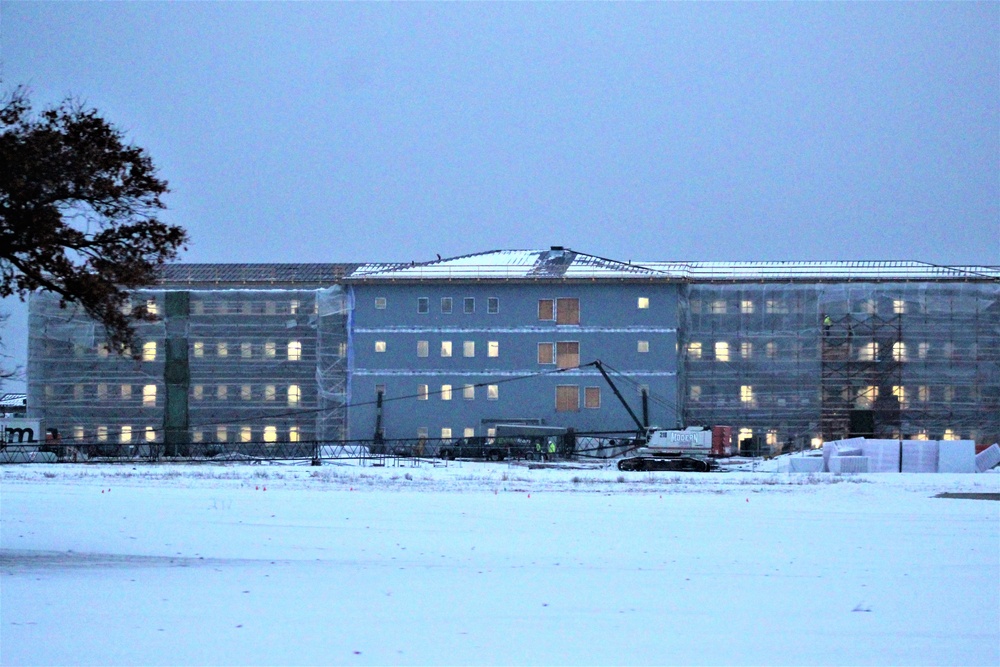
[(552, 448), (827, 323)]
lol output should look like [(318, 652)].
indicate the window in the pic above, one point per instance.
[(199, 349), (470, 305), (221, 434), (949, 350), (744, 434), (546, 309), (695, 393), (746, 349), (898, 306), (294, 350), (567, 355), (150, 434), (270, 392), (126, 391), (567, 311), (899, 351), (900, 393), (270, 434), (469, 392), (592, 397), (771, 349), (949, 394), (423, 305), (493, 305), (694, 350), (772, 438), (491, 433), (78, 392), (775, 306), (246, 350), (446, 434), (446, 392), (125, 435), (103, 350), (422, 432), (493, 348), (102, 433), (469, 432), (923, 349), (868, 352), (149, 351), (923, 393), (722, 351), (469, 348), (380, 346), (294, 395), (246, 434), (294, 434), (643, 346), (949, 434), (746, 306), (446, 348), (293, 306), (642, 303), (221, 392), (222, 349), (746, 394), (718, 307), (546, 353), (198, 391), (492, 392), (246, 392), (102, 391), (151, 307), (270, 349), (423, 392), (567, 398), (380, 303), (149, 396), (423, 348), (446, 304), (197, 307)]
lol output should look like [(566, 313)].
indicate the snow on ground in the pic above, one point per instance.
[(490, 563)]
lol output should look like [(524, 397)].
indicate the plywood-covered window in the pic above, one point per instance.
[(423, 348), (546, 353), (592, 397), (567, 398), (546, 309), (567, 354), (642, 346), (380, 303), (567, 311)]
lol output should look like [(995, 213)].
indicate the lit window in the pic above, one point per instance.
[(103, 351), (491, 433), (694, 350), (469, 348), (446, 434), (718, 307), (592, 397), (446, 392), (469, 392), (722, 351), (746, 306), (898, 306), (546, 309), (469, 432), (899, 351), (422, 432), (816, 443), (151, 307), (744, 434), (221, 434), (102, 433), (246, 393), (868, 352), (567, 354), (102, 391), (775, 306), (149, 395), (923, 349), (78, 433), (746, 394), (492, 392), (643, 303), (470, 305), (293, 306), (900, 393), (294, 394), (270, 434), (446, 348), (643, 346), (380, 346), (546, 353), (493, 305), (149, 351), (126, 391), (446, 304), (422, 392), (492, 348), (695, 392), (567, 398), (422, 348), (567, 311), (772, 437), (270, 392), (246, 434), (125, 435), (771, 349), (923, 393), (294, 434), (150, 434), (949, 434), (380, 303), (246, 351), (294, 350), (222, 349), (221, 392), (198, 391), (866, 397), (920, 435), (746, 349), (199, 349), (423, 305)]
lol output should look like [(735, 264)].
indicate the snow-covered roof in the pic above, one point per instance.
[(562, 263)]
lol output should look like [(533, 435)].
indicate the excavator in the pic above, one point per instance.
[(692, 449)]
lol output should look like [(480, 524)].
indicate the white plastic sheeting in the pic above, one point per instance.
[(957, 456), (841, 464), (805, 464), (988, 458), (920, 455)]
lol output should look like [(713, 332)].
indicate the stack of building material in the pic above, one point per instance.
[(920, 455), (883, 455), (957, 456), (849, 447), (988, 459), (805, 464), (841, 464)]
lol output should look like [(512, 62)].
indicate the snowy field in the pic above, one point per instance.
[(490, 563)]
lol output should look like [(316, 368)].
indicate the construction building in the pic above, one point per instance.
[(788, 353)]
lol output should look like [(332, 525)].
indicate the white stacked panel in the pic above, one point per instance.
[(957, 456), (988, 458), (848, 464), (920, 456), (805, 464), (834, 447), (883, 455)]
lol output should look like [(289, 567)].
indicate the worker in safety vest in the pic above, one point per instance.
[(552, 448), (827, 323)]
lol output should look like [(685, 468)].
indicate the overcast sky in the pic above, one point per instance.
[(656, 131)]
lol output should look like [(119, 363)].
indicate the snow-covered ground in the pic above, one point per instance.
[(490, 563)]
